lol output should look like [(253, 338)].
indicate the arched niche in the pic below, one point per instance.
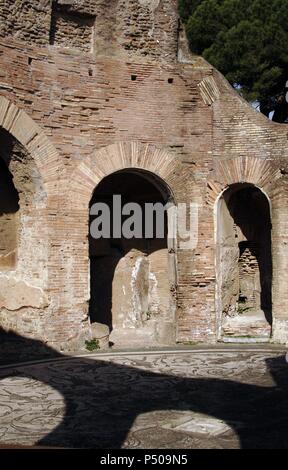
[(243, 263), (131, 279)]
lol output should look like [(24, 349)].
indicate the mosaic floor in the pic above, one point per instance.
[(192, 399)]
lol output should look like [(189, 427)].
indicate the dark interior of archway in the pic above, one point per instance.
[(250, 211), (9, 204), (105, 254)]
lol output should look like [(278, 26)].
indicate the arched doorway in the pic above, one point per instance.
[(21, 196), (244, 264), (9, 206), (131, 278)]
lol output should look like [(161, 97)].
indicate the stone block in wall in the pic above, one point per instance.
[(101, 333), (280, 331)]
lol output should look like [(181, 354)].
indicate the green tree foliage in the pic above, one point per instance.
[(247, 40), (187, 8)]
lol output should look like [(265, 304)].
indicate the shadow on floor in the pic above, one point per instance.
[(103, 399)]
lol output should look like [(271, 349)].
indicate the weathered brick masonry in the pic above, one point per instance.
[(92, 87)]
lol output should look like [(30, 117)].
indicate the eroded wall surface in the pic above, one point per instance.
[(110, 85)]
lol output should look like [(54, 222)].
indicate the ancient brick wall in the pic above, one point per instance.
[(95, 87), (144, 27)]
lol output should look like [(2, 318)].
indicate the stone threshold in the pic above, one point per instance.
[(245, 340)]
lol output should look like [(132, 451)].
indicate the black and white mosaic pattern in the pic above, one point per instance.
[(190, 399)]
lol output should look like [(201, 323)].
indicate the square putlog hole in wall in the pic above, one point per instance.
[(72, 30)]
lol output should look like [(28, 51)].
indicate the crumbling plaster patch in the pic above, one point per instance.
[(16, 294)]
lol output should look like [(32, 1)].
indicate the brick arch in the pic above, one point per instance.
[(121, 156), (30, 135), (268, 179), (251, 170)]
